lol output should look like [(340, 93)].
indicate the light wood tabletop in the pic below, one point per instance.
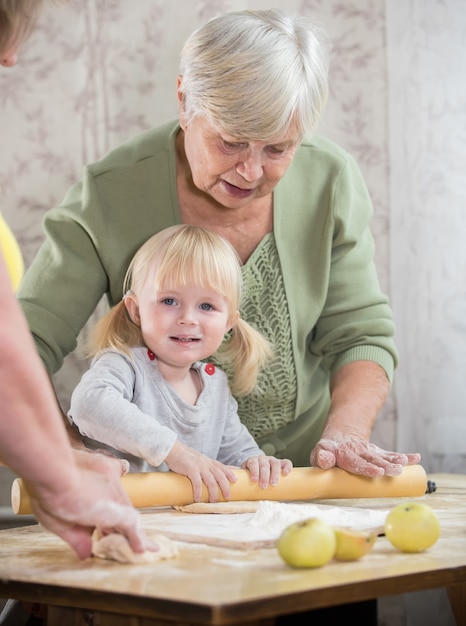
[(216, 585)]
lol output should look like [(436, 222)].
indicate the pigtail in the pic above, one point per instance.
[(115, 330), (246, 352)]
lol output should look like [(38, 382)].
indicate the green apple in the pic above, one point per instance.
[(307, 543), (353, 544), (412, 527)]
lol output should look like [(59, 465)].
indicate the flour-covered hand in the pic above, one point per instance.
[(92, 498), (360, 457)]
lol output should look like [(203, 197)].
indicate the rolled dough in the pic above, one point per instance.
[(115, 547), (238, 506)]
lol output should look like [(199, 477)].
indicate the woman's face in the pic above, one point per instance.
[(235, 172)]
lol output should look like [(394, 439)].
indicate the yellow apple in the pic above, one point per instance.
[(353, 544), (307, 543), (412, 527)]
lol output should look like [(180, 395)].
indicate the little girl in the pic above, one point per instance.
[(148, 396)]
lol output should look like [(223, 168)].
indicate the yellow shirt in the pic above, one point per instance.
[(11, 253)]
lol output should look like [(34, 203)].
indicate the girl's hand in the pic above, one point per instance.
[(201, 470), (266, 470)]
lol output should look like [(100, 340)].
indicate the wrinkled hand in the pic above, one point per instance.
[(360, 457), (201, 470), (266, 470), (95, 498)]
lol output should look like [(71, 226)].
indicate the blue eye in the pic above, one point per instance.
[(169, 301), (205, 306)]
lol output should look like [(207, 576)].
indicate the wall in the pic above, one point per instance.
[(427, 138)]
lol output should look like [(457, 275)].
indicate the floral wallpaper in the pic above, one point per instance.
[(427, 138), (96, 72)]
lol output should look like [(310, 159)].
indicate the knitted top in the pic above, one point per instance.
[(264, 305)]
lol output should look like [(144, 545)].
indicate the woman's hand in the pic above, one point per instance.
[(94, 498), (358, 391), (359, 457), (266, 470), (201, 470)]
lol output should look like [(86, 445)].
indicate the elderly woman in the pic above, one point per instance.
[(242, 161)]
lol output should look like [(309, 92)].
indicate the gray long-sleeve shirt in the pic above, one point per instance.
[(126, 405)]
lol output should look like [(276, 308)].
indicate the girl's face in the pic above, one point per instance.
[(183, 325)]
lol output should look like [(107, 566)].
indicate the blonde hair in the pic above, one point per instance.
[(188, 255), (17, 20), (256, 74)]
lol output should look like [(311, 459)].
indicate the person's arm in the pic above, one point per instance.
[(74, 437), (358, 391), (68, 495), (112, 406), (354, 333), (29, 420), (77, 443)]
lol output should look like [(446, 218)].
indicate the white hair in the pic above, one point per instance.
[(255, 74)]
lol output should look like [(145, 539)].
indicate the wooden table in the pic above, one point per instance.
[(213, 585)]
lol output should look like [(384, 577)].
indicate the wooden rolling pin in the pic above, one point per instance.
[(303, 483)]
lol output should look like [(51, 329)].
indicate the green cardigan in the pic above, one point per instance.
[(322, 213)]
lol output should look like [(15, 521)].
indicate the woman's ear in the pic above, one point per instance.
[(179, 93), (180, 97), (133, 308)]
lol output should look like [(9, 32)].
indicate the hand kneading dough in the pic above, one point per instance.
[(239, 506), (116, 548)]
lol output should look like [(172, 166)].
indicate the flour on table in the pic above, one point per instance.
[(276, 516), (115, 547)]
